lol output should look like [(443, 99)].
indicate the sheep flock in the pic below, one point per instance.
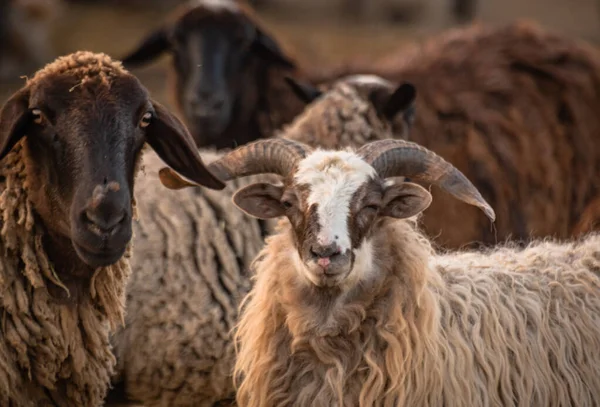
[(421, 229), (511, 106)]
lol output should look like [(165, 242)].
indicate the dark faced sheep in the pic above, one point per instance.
[(70, 141), (227, 72), (351, 307), (190, 260)]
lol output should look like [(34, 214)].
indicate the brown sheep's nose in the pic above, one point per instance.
[(206, 104), (106, 211), (104, 222)]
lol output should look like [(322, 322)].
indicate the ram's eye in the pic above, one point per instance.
[(145, 121), (374, 208), (286, 204), (38, 117)]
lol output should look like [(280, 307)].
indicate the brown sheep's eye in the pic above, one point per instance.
[(146, 118), (286, 204), (38, 118)]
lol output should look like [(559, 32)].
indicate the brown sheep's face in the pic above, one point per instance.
[(332, 202), (82, 144), (215, 50)]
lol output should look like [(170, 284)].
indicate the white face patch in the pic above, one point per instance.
[(333, 178), (363, 268), (367, 79), (217, 5)]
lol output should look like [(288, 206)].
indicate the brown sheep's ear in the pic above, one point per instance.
[(149, 49), (402, 100), (170, 179), (268, 49), (303, 90), (175, 146), (14, 119), (404, 200), (260, 200)]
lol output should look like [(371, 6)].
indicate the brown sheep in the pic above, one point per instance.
[(70, 143), (515, 108), (227, 76), (251, 99)]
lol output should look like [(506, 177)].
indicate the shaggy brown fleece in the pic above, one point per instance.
[(53, 352), (515, 108), (509, 327)]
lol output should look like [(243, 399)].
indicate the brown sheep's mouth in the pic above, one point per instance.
[(100, 258)]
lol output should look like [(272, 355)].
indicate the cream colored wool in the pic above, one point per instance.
[(507, 327), (192, 249)]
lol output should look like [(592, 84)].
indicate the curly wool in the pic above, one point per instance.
[(86, 66), (343, 117), (189, 274), (508, 327), (55, 353)]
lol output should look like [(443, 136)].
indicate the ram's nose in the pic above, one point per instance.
[(325, 254)]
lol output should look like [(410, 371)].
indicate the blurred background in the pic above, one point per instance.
[(33, 32)]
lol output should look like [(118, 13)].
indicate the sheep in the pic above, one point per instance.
[(183, 297), (227, 73), (70, 142), (514, 109), (351, 306)]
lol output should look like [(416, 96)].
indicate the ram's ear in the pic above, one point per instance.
[(14, 119), (260, 200), (175, 146), (306, 92), (404, 200), (400, 101), (268, 49), (148, 49)]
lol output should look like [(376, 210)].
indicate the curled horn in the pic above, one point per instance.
[(394, 158), (271, 156)]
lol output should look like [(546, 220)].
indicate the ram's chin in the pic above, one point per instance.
[(319, 277)]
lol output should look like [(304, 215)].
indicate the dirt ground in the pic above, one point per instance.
[(313, 30)]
